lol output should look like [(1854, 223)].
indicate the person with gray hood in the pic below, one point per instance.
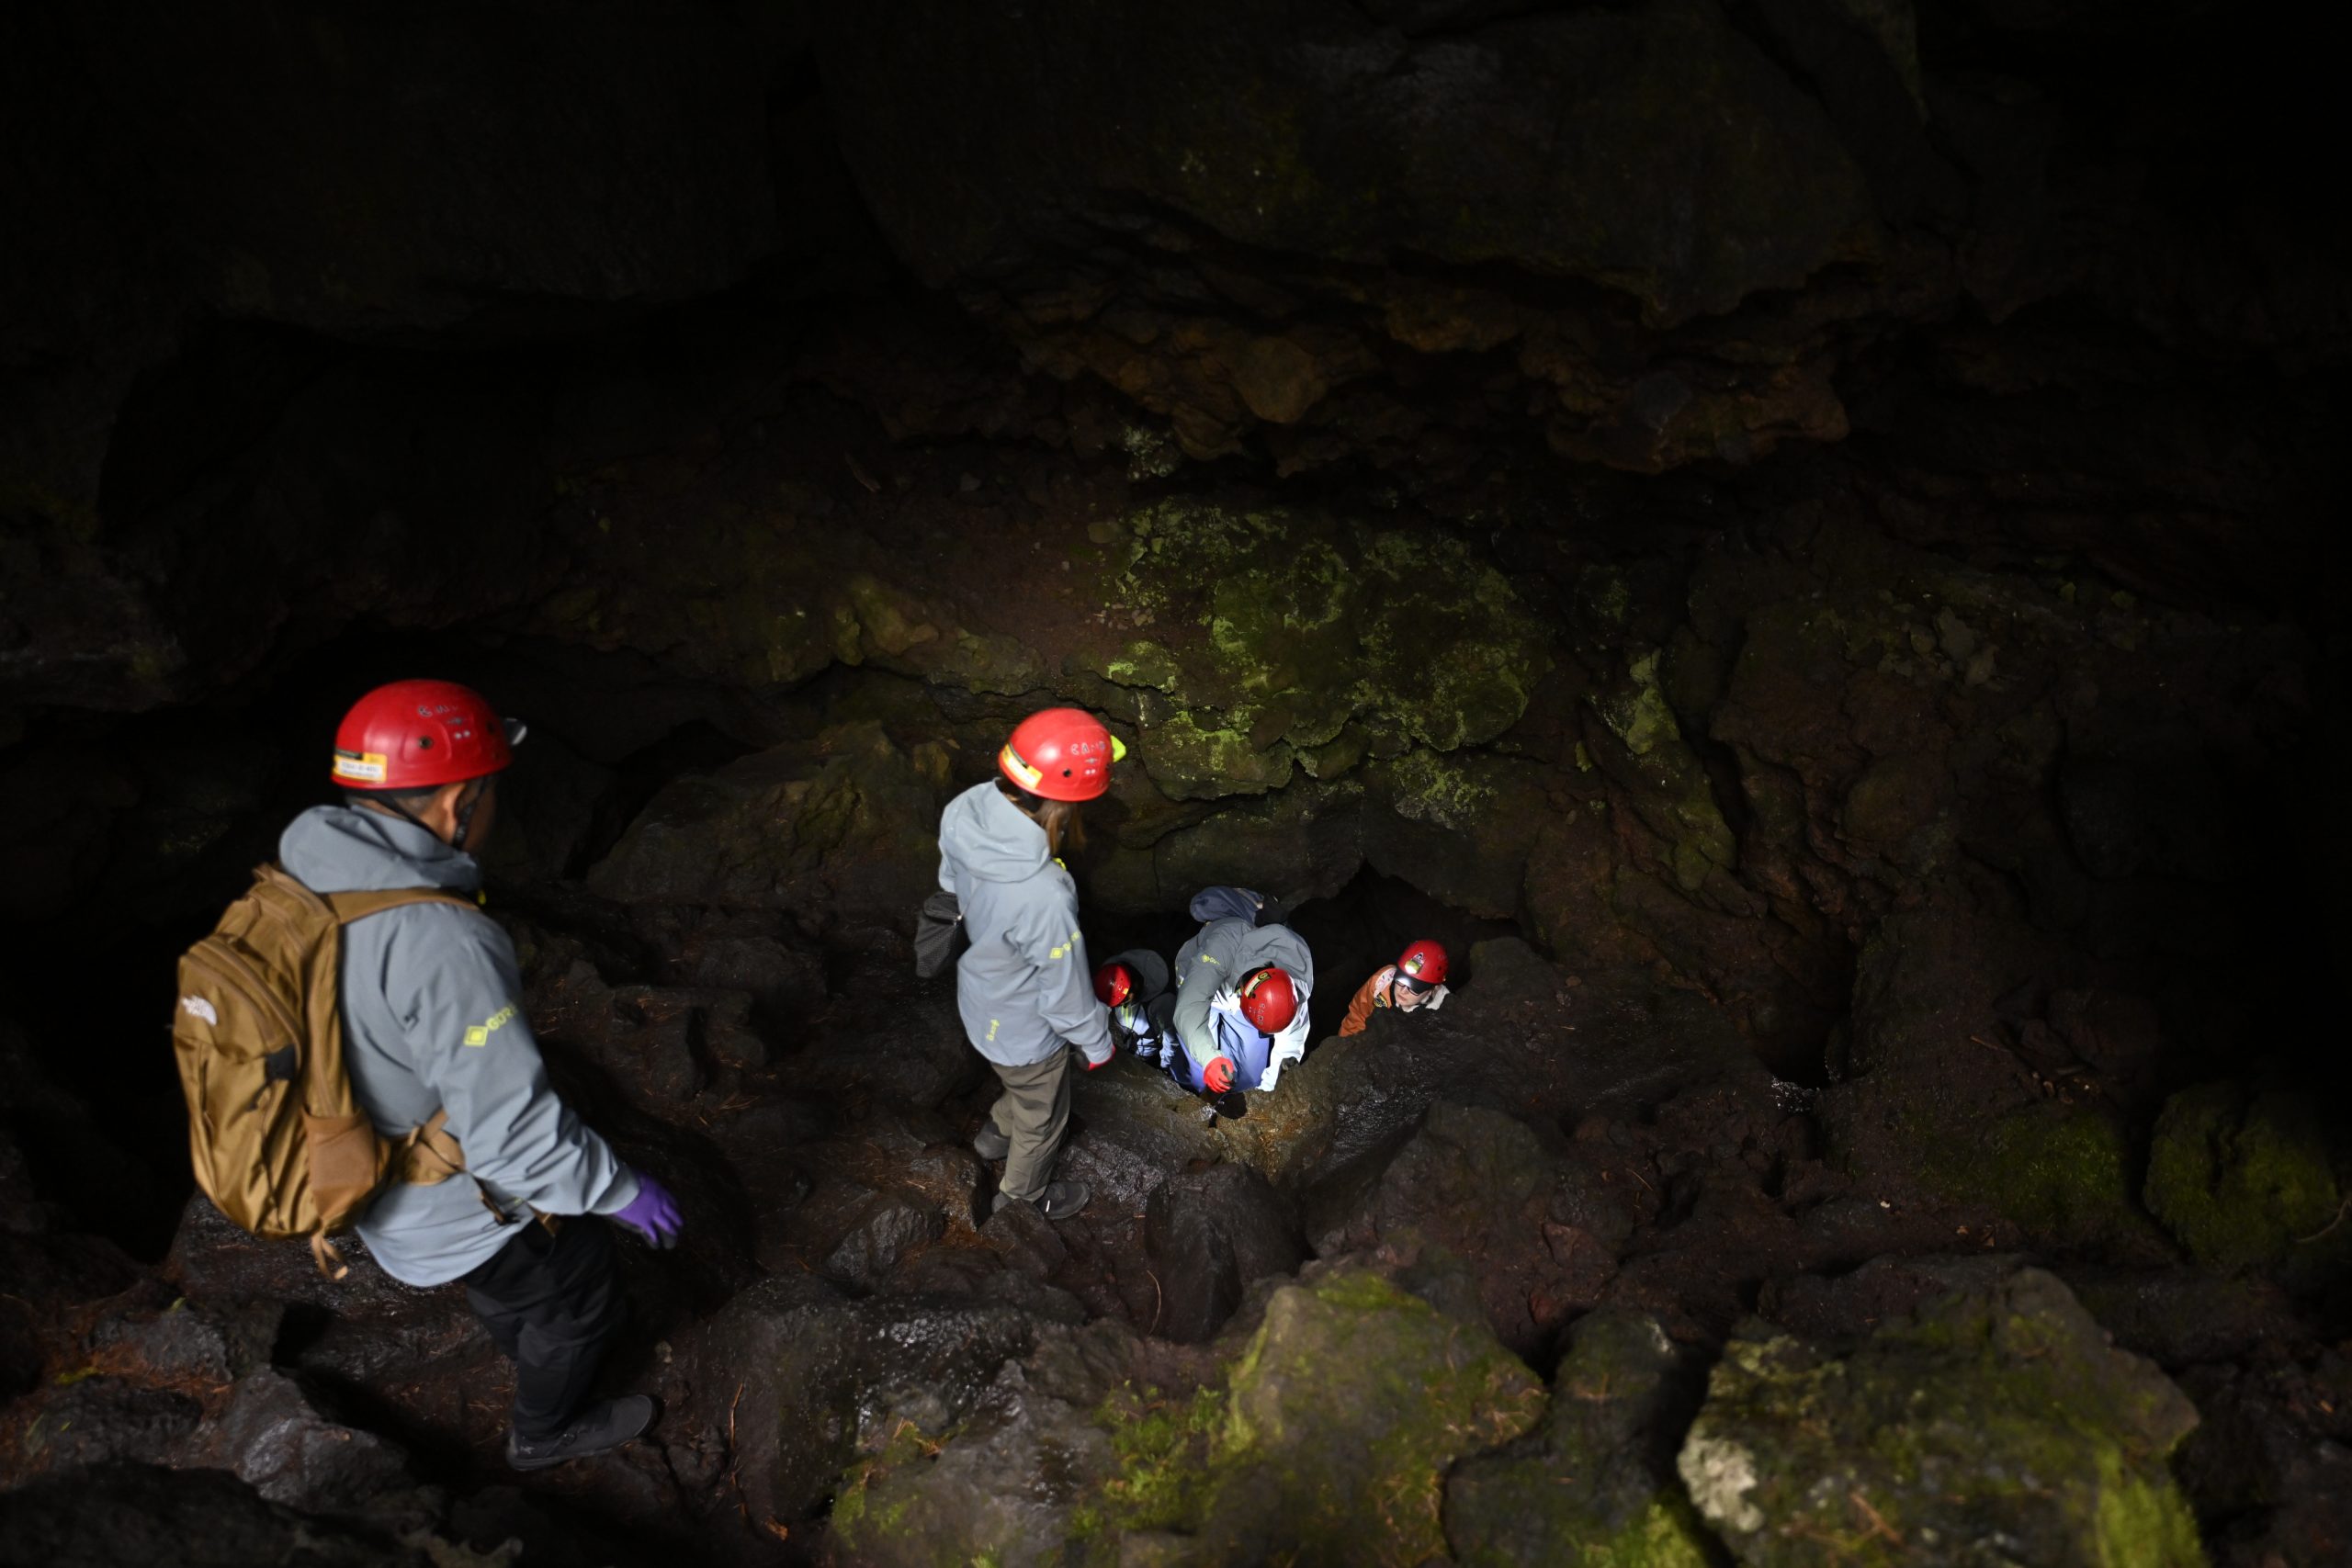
[(1023, 987), (432, 1005), (1241, 996)]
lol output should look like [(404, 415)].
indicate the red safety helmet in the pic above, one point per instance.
[(419, 734), (1061, 754), (1424, 964), (1268, 1000), (1113, 984)]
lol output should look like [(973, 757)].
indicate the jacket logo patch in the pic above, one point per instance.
[(481, 1033), (197, 1007)]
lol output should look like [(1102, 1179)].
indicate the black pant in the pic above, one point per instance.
[(552, 1303)]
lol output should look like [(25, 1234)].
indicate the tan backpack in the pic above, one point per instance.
[(278, 1143)]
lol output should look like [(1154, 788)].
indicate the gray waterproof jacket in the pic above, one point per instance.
[(1024, 987), (433, 1018), (1219, 955)]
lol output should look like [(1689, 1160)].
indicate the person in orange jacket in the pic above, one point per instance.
[(1416, 980)]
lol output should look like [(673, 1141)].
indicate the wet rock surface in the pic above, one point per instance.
[(1211, 1235)]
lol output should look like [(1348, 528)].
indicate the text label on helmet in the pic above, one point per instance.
[(1023, 773), (362, 767)]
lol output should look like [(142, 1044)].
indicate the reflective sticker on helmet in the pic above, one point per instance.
[(363, 767), (1024, 776)]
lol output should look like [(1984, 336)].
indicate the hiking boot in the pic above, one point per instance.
[(605, 1425), (990, 1143), (1059, 1201)]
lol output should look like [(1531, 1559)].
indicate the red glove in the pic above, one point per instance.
[(1218, 1074)]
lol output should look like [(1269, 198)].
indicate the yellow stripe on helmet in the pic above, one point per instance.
[(1024, 776)]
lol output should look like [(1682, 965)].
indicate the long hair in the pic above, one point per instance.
[(1064, 825)]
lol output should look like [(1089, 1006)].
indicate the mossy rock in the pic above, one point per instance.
[(1346, 1412), (1927, 1111), (1993, 1424), (2240, 1177), (1663, 779), (1309, 633), (1449, 653), (1595, 1485), (1163, 1446), (1203, 755), (2056, 1172), (1330, 1443)]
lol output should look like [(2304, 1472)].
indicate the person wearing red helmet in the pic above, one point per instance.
[(1023, 987), (1241, 995), (433, 1022), (1134, 986), (1416, 980)]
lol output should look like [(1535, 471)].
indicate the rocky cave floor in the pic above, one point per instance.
[(1587, 1171)]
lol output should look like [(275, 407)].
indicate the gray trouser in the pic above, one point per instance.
[(1033, 1112)]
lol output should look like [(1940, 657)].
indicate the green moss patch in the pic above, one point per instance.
[(1304, 628), (1346, 1412), (1330, 1443), (2238, 1177), (2058, 1173), (1164, 1448), (855, 1516)]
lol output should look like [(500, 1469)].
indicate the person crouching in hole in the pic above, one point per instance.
[(1023, 987), (1241, 994), (1134, 986), (1415, 981)]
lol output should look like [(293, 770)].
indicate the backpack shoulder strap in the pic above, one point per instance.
[(350, 906)]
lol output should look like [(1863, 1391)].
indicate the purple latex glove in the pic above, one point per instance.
[(652, 1214)]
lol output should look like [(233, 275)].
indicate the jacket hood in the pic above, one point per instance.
[(989, 837), (1228, 904), (341, 848)]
